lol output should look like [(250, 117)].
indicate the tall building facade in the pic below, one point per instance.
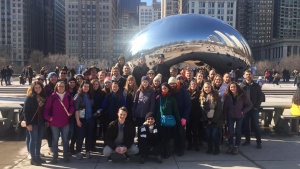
[(222, 9), (89, 34), (148, 14), (54, 33), (169, 7), (285, 40), (183, 6)]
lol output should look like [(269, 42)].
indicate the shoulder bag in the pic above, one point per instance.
[(166, 120)]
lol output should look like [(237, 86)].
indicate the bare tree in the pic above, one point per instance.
[(36, 60)]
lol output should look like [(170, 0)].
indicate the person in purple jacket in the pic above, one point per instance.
[(236, 104), (59, 107)]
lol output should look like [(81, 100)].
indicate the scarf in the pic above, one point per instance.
[(164, 94), (88, 106)]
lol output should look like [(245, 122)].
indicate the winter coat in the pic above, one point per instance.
[(183, 102), (112, 134), (234, 110), (195, 113), (143, 103), (164, 70), (256, 95), (55, 110), (218, 119), (138, 72), (31, 106), (168, 105)]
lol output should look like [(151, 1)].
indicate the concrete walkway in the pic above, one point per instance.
[(279, 152)]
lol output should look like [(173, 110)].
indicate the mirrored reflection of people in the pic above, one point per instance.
[(150, 139), (162, 68), (119, 137), (140, 70)]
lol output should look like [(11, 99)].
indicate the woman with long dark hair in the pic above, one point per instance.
[(144, 102), (35, 123), (129, 93), (236, 104), (84, 118), (192, 126)]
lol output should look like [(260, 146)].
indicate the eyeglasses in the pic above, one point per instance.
[(40, 79), (150, 118)]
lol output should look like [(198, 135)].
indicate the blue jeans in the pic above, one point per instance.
[(213, 135), (238, 130), (27, 141), (254, 116), (85, 131), (36, 136), (56, 131), (8, 79)]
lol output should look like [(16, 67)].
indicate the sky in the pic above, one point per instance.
[(149, 2)]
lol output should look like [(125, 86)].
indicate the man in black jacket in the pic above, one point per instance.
[(162, 68), (3, 76), (140, 70), (253, 90), (119, 137)]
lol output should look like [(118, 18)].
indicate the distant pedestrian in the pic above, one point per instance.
[(3, 75)]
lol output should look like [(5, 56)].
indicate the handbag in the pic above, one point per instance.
[(166, 120)]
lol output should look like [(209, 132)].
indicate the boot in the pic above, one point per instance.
[(35, 161), (210, 148), (217, 149)]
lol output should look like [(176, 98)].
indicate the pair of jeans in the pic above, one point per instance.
[(85, 131), (213, 135), (36, 136), (8, 80), (56, 131), (3, 78), (238, 130), (252, 115)]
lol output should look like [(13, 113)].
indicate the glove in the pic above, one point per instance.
[(183, 121)]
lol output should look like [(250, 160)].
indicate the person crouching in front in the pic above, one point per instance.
[(119, 137), (149, 139)]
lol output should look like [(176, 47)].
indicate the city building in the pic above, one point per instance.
[(169, 7), (54, 32), (89, 34), (148, 14), (286, 33), (222, 9), (183, 6)]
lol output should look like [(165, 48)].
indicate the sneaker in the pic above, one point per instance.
[(235, 150), (88, 155), (78, 156), (127, 157), (229, 151), (29, 156), (246, 143), (258, 146), (50, 151), (109, 159)]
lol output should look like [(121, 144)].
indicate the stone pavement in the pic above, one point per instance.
[(278, 152)]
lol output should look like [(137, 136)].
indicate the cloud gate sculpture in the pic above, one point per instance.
[(191, 37)]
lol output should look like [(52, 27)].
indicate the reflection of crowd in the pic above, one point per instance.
[(162, 103)]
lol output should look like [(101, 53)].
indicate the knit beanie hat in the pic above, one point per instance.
[(172, 80), (157, 77), (145, 78), (150, 114), (51, 74), (69, 79), (107, 79)]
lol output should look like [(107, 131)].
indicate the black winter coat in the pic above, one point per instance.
[(112, 134), (256, 95), (31, 107)]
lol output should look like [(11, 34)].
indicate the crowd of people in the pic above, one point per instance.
[(162, 103)]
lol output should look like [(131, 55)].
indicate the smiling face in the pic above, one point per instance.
[(145, 83), (96, 85), (115, 87), (233, 89), (207, 88), (122, 116), (37, 88), (85, 88), (164, 89), (193, 85), (61, 87), (150, 120)]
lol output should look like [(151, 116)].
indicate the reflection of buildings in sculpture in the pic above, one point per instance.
[(121, 37), (224, 10)]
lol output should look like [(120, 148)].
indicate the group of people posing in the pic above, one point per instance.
[(161, 103)]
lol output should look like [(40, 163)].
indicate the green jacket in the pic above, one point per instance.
[(168, 106)]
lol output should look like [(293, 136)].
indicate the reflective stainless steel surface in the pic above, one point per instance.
[(191, 37)]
